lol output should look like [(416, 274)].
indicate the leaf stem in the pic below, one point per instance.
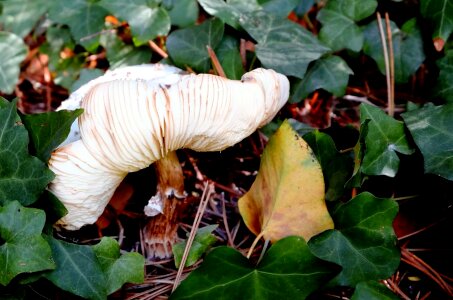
[(258, 237)]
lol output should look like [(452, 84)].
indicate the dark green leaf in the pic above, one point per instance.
[(339, 17), (230, 11), (85, 19), (68, 70), (22, 177), (283, 45), (13, 52), (372, 290), (54, 209), (20, 16), (299, 127), (187, 47), (440, 13), (444, 88), (120, 55), (118, 269), (48, 130), (230, 58), (407, 48), (22, 248), (359, 151), (304, 7), (78, 270), (279, 8), (204, 239), (182, 12), (432, 130), (145, 17), (385, 137), (330, 73), (363, 242), (288, 271), (336, 167), (86, 75)]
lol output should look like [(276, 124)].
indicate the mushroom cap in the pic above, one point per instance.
[(129, 123)]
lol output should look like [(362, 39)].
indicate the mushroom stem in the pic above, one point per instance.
[(160, 233)]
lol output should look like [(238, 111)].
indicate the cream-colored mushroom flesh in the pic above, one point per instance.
[(129, 124)]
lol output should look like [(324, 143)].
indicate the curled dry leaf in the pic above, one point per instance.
[(287, 197)]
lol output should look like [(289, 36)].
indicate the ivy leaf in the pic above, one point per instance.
[(287, 271), (432, 130), (120, 55), (48, 130), (363, 242), (182, 12), (230, 58), (330, 73), (407, 48), (372, 290), (385, 137), (287, 197), (339, 17), (86, 75), (229, 11), (20, 16), (359, 152), (279, 8), (440, 13), (444, 88), (85, 19), (187, 47), (145, 17), (22, 177), (78, 270), (13, 52), (283, 45), (204, 239), (336, 167), (119, 269), (22, 248)]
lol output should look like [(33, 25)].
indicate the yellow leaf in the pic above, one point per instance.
[(287, 197)]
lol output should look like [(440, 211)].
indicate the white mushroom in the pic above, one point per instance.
[(131, 123)]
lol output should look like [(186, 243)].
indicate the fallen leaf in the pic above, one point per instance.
[(287, 197)]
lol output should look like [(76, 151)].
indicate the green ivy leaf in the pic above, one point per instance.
[(86, 75), (22, 248), (85, 19), (145, 17), (230, 58), (358, 177), (283, 45), (330, 73), (204, 239), (187, 47), (363, 242), (385, 137), (336, 167), (120, 55), (182, 13), (287, 271), (119, 269), (78, 270), (20, 16), (432, 130), (229, 11), (407, 48), (279, 8), (48, 130), (339, 17), (372, 290), (440, 13), (22, 177), (13, 52), (444, 88)]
